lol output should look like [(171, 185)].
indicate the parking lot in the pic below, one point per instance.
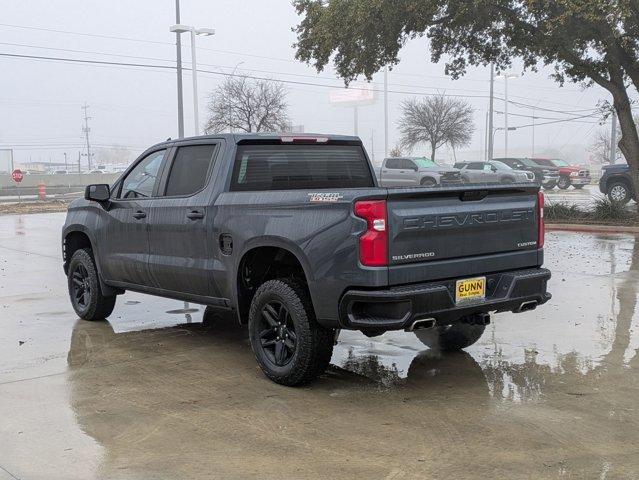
[(167, 390)]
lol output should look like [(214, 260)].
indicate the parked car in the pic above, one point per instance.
[(294, 235), (492, 172), (413, 171), (616, 183), (575, 175), (544, 176)]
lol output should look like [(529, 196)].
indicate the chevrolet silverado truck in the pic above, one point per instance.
[(295, 236), (407, 171)]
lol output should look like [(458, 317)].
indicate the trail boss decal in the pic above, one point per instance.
[(323, 197)]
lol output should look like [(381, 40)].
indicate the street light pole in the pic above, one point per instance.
[(178, 29), (196, 112), (491, 111), (506, 116), (180, 101), (385, 111)]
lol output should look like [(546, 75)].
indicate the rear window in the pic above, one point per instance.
[(294, 167)]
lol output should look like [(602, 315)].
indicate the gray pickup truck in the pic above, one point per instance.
[(294, 235)]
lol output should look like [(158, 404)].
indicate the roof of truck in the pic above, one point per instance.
[(238, 137)]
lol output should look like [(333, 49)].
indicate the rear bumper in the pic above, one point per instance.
[(580, 180), (397, 308)]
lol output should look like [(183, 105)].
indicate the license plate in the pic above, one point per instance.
[(470, 289)]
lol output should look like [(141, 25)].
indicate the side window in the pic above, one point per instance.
[(189, 170), (140, 181), (475, 166), (488, 167), (408, 164), (392, 163)]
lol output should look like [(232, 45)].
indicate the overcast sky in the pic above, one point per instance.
[(41, 100)]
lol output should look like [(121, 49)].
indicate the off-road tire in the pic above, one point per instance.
[(313, 344), (564, 182), (95, 306), (450, 338)]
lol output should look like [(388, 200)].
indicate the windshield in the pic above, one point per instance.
[(424, 162), (559, 163), (529, 163), (500, 165)]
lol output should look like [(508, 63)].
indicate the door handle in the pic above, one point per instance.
[(195, 215), (139, 215)]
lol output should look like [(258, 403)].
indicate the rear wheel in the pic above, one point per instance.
[(450, 338), (84, 288), (564, 182), (289, 345), (619, 192)]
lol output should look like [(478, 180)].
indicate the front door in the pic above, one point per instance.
[(180, 223), (124, 239)]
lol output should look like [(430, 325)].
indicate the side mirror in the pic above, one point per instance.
[(99, 192), (494, 169)]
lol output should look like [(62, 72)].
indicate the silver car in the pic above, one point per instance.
[(414, 171), (492, 172)]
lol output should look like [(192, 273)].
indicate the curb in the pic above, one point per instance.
[(571, 227)]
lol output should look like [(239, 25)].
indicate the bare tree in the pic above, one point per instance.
[(396, 151), (245, 105), (436, 121), (600, 147)]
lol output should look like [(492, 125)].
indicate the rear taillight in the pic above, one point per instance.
[(373, 244), (541, 234)]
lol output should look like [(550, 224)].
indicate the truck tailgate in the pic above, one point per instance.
[(432, 227)]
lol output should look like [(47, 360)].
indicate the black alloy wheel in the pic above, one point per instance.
[(81, 287), (277, 333)]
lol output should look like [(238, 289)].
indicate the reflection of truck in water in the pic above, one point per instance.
[(415, 171), (294, 235)]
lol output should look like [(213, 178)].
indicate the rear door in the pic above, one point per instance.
[(124, 242), (180, 219)]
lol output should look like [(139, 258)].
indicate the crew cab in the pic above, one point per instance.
[(616, 183), (413, 171), (574, 175), (295, 236)]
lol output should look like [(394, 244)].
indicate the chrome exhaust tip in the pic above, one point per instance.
[(422, 324), (527, 306)]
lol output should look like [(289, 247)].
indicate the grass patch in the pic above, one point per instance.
[(603, 211)]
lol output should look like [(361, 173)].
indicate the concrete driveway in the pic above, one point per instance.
[(167, 392)]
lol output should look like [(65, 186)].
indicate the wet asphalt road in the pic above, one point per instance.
[(158, 392)]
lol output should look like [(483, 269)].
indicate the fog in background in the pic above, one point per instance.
[(131, 107)]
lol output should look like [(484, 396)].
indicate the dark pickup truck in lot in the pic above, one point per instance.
[(616, 183), (294, 235)]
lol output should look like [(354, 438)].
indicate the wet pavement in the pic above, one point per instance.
[(160, 392)]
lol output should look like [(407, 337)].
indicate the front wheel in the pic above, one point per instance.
[(549, 185), (289, 345), (84, 288), (428, 182), (579, 187), (564, 182), (450, 338)]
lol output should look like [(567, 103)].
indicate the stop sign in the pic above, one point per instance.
[(17, 175)]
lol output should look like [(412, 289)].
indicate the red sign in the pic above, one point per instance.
[(17, 175)]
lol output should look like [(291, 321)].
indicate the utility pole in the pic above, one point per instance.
[(533, 132), (178, 44), (355, 121), (613, 140), (372, 147), (385, 111), (506, 116), (491, 112), (86, 131)]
